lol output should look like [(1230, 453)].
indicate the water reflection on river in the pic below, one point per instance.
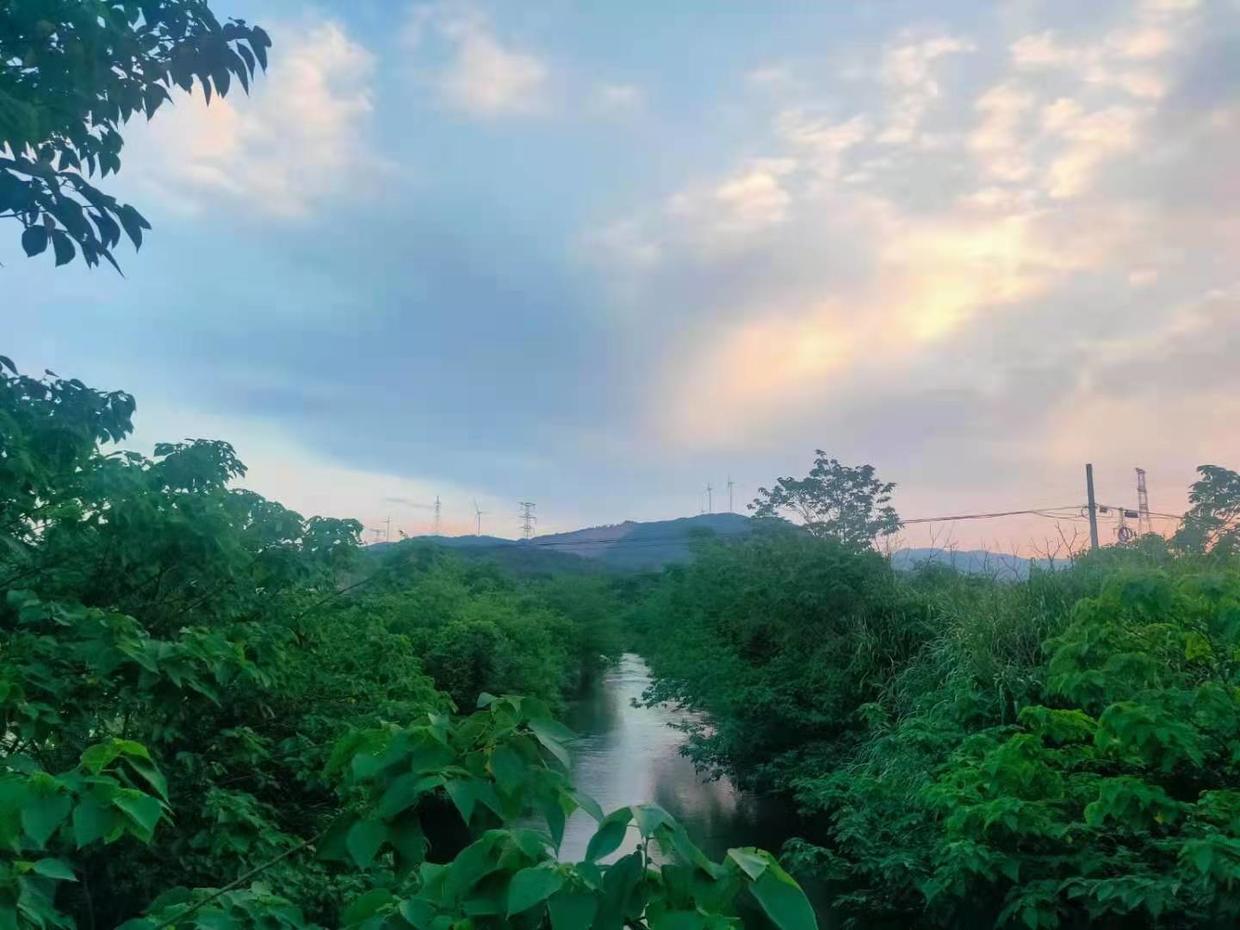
[(631, 755)]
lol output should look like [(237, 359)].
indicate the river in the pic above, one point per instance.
[(628, 754)]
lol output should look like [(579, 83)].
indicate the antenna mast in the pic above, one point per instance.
[(527, 519), (1144, 524)]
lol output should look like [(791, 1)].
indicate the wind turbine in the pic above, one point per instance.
[(478, 515)]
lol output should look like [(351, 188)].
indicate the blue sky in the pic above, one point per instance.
[(598, 255)]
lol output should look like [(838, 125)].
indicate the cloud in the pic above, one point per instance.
[(485, 76), (617, 99), (746, 203), (908, 71), (861, 249), (298, 139)]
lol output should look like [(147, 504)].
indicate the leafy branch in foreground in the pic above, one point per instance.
[(442, 822), (71, 74)]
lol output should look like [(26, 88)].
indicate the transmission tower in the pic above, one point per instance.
[(527, 519), (1144, 524), (435, 526)]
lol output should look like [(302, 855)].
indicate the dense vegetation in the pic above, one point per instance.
[(967, 752), (178, 658)]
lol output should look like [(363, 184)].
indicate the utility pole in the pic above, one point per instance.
[(731, 509), (527, 519), (1093, 506), (709, 500), (435, 527), (1144, 523)]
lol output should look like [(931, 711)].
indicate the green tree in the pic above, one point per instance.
[(1213, 519), (842, 501), (72, 73)]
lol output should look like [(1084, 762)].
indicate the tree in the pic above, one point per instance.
[(71, 73), (842, 501), (1213, 519)]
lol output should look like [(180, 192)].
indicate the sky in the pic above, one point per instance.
[(597, 256)]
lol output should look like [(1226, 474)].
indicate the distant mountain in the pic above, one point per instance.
[(970, 562), (628, 546), (634, 546)]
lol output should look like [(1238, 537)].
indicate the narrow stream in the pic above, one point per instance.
[(630, 754)]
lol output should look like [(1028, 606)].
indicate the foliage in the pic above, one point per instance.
[(1213, 519), (177, 657), (71, 74), (840, 501), (780, 639), (1062, 755)]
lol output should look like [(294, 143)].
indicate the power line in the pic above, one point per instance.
[(1036, 511)]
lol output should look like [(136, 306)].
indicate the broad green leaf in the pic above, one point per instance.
[(508, 768), (364, 839), (34, 239), (783, 900), (42, 814), (55, 868), (92, 820), (142, 810), (609, 835), (365, 905), (532, 886), (749, 861), (572, 910)]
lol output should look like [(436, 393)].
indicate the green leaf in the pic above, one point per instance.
[(610, 834), (532, 886), (783, 900), (92, 820), (364, 839), (366, 905), (749, 861), (56, 869), (572, 910), (649, 817), (34, 239), (62, 245), (508, 768), (151, 775), (418, 911), (405, 791), (142, 809), (43, 814), (552, 736)]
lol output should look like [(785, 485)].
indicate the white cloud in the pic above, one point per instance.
[(908, 70), (617, 99), (299, 138), (728, 213), (999, 142), (1092, 138), (821, 141), (489, 79), (486, 77), (856, 252)]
